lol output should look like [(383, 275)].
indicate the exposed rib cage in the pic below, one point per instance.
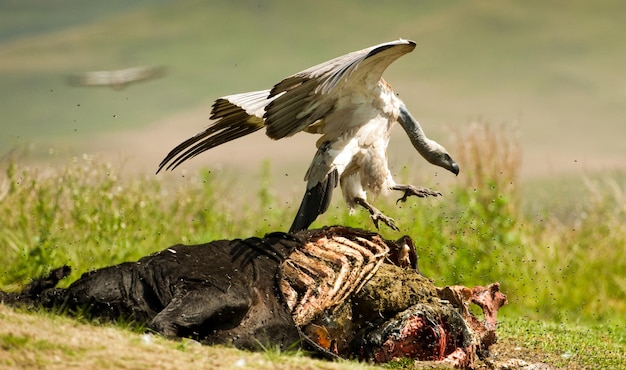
[(322, 273)]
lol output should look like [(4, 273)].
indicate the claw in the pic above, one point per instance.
[(387, 220), (376, 215), (410, 190)]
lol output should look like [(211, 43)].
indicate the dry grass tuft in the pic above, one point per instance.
[(490, 157)]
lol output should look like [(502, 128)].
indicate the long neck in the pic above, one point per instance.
[(424, 145)]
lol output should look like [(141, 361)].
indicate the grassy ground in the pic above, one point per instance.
[(567, 271), (43, 340), (40, 341), (564, 345)]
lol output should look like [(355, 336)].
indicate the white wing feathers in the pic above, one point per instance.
[(308, 95)]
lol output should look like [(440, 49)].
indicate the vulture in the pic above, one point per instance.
[(116, 79), (348, 103)]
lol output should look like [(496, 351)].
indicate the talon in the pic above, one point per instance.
[(376, 215), (387, 220), (410, 190), (402, 198)]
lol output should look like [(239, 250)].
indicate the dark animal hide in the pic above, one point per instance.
[(220, 292), (225, 291)]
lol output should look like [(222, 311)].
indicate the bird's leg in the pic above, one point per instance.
[(375, 214), (410, 190)]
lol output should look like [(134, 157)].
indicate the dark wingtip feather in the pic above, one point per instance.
[(204, 141), (315, 202)]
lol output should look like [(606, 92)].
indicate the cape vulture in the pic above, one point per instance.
[(345, 100)]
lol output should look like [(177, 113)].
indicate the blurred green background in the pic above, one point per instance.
[(554, 71)]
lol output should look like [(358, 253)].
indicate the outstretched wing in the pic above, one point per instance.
[(235, 116), (293, 104), (304, 98)]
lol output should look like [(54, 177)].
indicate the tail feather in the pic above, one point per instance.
[(315, 202), (234, 116)]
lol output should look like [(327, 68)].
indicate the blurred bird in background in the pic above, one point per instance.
[(116, 79)]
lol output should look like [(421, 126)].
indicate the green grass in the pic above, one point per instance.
[(554, 269), (589, 346)]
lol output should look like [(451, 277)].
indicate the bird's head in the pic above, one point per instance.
[(431, 150), (438, 155)]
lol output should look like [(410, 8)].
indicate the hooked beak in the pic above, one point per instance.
[(455, 169)]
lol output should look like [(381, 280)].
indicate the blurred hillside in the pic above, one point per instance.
[(554, 72)]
